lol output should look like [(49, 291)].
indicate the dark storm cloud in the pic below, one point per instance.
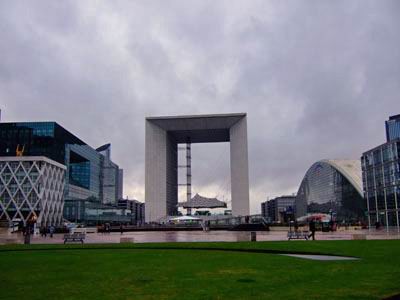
[(317, 78)]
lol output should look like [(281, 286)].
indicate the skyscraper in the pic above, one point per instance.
[(90, 172), (393, 128), (381, 178)]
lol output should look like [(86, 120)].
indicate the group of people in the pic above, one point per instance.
[(44, 230), (106, 228)]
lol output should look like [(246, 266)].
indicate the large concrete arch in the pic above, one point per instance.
[(163, 134)]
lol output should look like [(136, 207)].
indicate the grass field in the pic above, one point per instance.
[(177, 271)]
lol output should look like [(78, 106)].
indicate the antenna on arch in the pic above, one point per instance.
[(188, 167)]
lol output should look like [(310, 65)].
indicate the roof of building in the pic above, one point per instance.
[(395, 117), (103, 147), (349, 168), (198, 128), (32, 158), (202, 202)]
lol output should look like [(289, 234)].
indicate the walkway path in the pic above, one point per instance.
[(198, 236)]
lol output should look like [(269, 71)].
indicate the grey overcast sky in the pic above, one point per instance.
[(316, 78)]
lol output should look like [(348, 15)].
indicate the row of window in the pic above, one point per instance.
[(385, 153), (388, 198)]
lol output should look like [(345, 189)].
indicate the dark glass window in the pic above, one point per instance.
[(371, 201), (381, 199), (377, 157), (390, 198), (36, 139)]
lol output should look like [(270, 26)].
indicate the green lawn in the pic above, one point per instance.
[(152, 271)]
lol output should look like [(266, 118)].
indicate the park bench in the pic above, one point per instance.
[(297, 235), (74, 237)]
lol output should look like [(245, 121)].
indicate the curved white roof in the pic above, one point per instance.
[(350, 169)]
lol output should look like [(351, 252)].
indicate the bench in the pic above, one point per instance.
[(74, 237), (297, 235)]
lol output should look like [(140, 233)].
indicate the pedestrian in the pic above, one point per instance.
[(312, 229), (27, 234), (52, 229), (296, 226), (121, 228), (41, 230), (331, 225)]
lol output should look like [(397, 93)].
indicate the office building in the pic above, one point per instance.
[(381, 178), (280, 209), (31, 186), (91, 212), (90, 172), (332, 187), (136, 208), (393, 128)]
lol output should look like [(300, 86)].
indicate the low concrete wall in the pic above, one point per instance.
[(126, 240)]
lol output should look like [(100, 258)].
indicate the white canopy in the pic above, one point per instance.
[(185, 218)]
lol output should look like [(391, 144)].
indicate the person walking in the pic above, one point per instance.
[(51, 231), (296, 226), (41, 230), (312, 229), (121, 228)]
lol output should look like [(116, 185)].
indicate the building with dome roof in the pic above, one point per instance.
[(332, 186)]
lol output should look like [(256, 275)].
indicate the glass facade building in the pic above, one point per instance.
[(332, 187), (137, 210), (279, 209), (36, 139), (381, 181), (393, 128), (90, 172), (94, 213)]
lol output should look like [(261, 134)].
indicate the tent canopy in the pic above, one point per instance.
[(185, 218), (316, 217), (202, 202)]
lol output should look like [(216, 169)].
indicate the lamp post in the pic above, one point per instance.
[(331, 222)]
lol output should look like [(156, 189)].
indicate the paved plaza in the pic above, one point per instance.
[(199, 236)]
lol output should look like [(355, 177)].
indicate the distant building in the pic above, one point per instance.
[(120, 184), (137, 209), (91, 212), (279, 209), (90, 172), (31, 186), (332, 187), (393, 128), (381, 178)]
